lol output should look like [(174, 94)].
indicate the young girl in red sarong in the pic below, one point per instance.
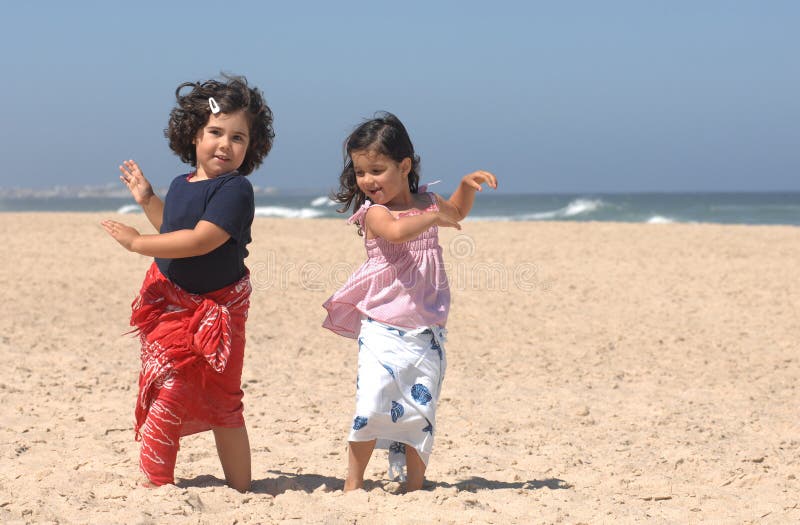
[(190, 313)]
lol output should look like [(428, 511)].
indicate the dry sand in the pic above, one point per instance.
[(597, 373)]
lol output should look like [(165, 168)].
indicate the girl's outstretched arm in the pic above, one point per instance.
[(142, 192), (460, 203), (385, 225), (205, 237)]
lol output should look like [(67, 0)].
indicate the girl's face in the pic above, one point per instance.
[(221, 144), (382, 179)]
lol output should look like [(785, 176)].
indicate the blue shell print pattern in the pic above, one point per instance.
[(397, 411), (399, 332), (436, 346), (359, 422), (421, 394)]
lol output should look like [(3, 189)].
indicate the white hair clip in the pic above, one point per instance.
[(213, 105)]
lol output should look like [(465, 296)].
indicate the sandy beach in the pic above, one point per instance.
[(597, 373)]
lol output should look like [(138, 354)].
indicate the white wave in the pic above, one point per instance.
[(540, 216), (659, 219), (287, 213), (324, 200), (574, 208), (492, 218), (579, 206), (129, 208)]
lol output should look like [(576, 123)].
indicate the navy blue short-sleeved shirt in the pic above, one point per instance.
[(226, 201)]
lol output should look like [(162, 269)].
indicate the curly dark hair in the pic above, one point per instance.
[(192, 112), (383, 134)]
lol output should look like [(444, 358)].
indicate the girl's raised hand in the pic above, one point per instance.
[(122, 233), (134, 179), (476, 178)]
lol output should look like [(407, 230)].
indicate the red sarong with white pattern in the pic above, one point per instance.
[(192, 355)]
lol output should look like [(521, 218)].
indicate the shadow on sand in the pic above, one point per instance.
[(476, 483), (285, 481)]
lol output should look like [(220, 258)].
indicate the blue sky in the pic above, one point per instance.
[(551, 96)]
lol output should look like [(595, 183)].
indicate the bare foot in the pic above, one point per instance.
[(146, 483), (351, 485)]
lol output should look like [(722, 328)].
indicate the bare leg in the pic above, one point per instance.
[(415, 468), (358, 454), (233, 448)]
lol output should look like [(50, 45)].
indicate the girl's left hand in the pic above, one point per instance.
[(123, 234), (476, 178), (134, 179)]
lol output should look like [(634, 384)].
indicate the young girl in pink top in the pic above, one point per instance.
[(396, 303)]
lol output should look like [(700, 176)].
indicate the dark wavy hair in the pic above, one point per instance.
[(232, 94), (383, 134)]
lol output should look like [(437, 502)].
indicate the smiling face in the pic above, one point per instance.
[(382, 179), (221, 144)]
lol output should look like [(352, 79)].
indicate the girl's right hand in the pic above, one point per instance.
[(445, 220), (134, 179)]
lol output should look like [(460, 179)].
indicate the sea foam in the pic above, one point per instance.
[(573, 209), (130, 208), (659, 219), (287, 213), (322, 201)]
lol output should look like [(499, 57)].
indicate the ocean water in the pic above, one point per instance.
[(654, 208)]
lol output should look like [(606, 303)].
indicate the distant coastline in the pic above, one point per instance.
[(110, 190)]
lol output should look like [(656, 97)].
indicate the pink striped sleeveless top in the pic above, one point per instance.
[(401, 284)]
